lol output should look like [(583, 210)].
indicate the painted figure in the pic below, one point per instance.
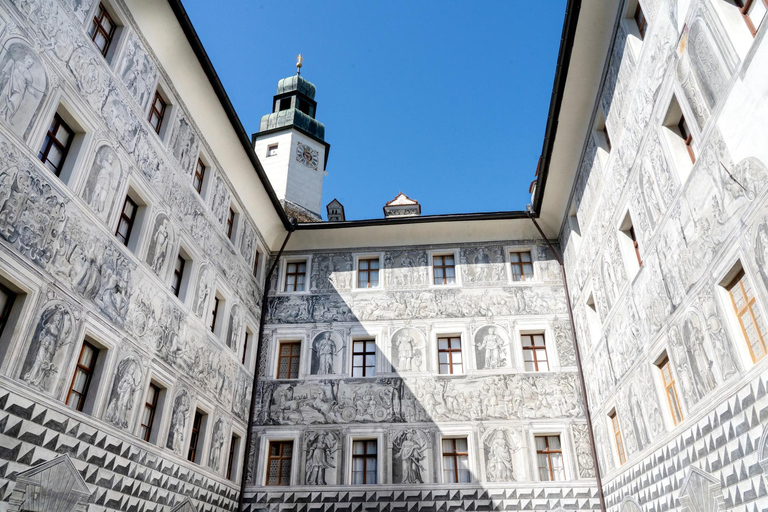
[(52, 333), (16, 78), (404, 343), (411, 454), (493, 345), (320, 449)]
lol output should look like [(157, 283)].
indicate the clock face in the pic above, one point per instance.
[(307, 156)]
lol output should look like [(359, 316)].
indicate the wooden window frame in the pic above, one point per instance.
[(685, 134), (521, 265), (152, 406), (533, 350), (444, 266), (282, 459), (80, 368), (296, 273), (194, 436), (455, 455), (5, 313), (98, 28), (548, 452), (364, 354), (50, 141), (290, 357), (154, 111), (178, 274), (670, 390), (749, 304), (231, 458), (365, 456), (129, 220), (230, 222), (450, 351), (617, 437), (640, 20), (197, 179), (368, 271), (743, 7), (215, 312)]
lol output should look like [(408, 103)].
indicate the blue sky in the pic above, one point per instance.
[(446, 101)]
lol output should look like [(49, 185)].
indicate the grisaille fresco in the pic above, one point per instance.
[(23, 86), (103, 182)]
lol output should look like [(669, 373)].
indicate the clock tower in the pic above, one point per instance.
[(291, 147)]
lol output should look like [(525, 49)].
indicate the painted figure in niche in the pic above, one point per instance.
[(761, 250), (161, 241), (14, 205), (493, 344), (720, 342), (409, 450), (700, 362), (649, 194), (178, 423), (404, 343), (105, 169), (638, 420), (501, 458), (126, 384), (690, 394), (203, 291), (16, 80), (321, 447), (51, 335), (183, 144), (325, 351), (217, 441), (482, 263)]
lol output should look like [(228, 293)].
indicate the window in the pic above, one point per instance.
[(754, 12), (522, 265), (81, 380), (178, 275), (230, 223), (56, 145), (295, 274), (670, 389), (685, 134), (629, 247), (617, 436), (364, 461), (156, 112), (215, 312), (456, 461), (549, 455), (148, 415), (363, 358), (194, 438), (234, 446), (750, 319), (285, 104), (246, 343), (7, 298), (449, 355), (272, 149), (256, 264), (127, 220), (288, 360), (368, 273), (534, 352), (636, 248), (102, 30), (642, 23), (279, 463), (444, 269), (197, 181)]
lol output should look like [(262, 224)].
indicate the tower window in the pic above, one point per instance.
[(285, 104), (364, 461), (456, 461), (197, 181), (272, 150), (617, 437), (522, 265), (127, 220), (288, 360), (279, 463), (449, 355), (157, 112), (753, 12), (549, 455), (368, 273), (295, 276), (148, 415), (444, 269), (642, 23), (56, 145), (81, 380), (102, 30), (750, 319), (534, 352), (685, 134), (670, 389), (363, 358)]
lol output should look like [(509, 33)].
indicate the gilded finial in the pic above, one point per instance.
[(299, 60)]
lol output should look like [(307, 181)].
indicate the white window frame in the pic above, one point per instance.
[(535, 327), (118, 39), (661, 391), (289, 335), (237, 462), (508, 250), (284, 261), (552, 429), (210, 170), (449, 331), (204, 436), (96, 335), (457, 432), (367, 256), (28, 289), (164, 380), (358, 435), (457, 267), (278, 435), (360, 334)]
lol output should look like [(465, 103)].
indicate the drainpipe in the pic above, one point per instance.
[(248, 434), (583, 386)]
